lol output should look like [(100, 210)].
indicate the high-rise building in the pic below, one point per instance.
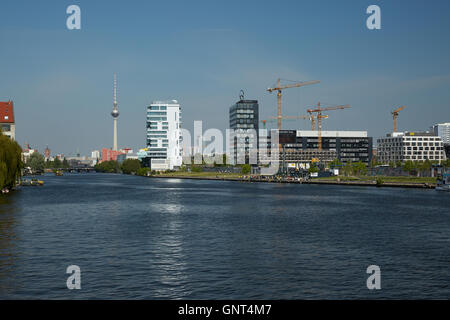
[(414, 146), (442, 130), (115, 114), (164, 135), (7, 124), (244, 118)]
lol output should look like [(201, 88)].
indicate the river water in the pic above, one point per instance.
[(142, 238)]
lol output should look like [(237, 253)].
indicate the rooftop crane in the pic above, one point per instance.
[(395, 115), (279, 88), (320, 117)]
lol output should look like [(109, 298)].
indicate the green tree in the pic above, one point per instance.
[(65, 163), (36, 162), (335, 164), (313, 168), (144, 172), (409, 166), (131, 166), (246, 169), (10, 162), (108, 167), (347, 169), (195, 168), (359, 168)]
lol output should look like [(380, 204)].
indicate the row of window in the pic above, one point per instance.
[(157, 108)]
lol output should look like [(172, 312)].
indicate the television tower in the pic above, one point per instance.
[(115, 113)]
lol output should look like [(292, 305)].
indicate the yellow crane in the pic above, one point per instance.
[(395, 115), (279, 89), (319, 118)]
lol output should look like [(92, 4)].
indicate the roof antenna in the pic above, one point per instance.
[(241, 95)]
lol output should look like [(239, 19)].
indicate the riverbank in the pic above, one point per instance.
[(395, 182)]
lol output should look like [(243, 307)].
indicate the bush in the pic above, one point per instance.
[(379, 182), (196, 169), (144, 172), (246, 169), (131, 166), (108, 167)]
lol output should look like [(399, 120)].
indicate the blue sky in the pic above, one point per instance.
[(203, 52)]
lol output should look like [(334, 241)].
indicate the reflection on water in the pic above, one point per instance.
[(136, 238)]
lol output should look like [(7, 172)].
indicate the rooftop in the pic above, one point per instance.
[(165, 102), (7, 112)]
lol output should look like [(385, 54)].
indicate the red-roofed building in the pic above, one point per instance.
[(7, 123)]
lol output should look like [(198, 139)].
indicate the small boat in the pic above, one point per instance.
[(58, 173), (33, 182), (443, 182)]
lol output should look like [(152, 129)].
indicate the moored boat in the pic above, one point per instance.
[(443, 182)]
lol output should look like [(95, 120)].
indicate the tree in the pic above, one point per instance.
[(131, 166), (36, 162), (359, 168), (10, 162), (246, 169), (347, 169), (107, 167), (335, 164), (65, 163), (195, 168), (144, 172), (57, 164)]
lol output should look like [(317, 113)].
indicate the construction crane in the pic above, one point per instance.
[(395, 115), (279, 88), (319, 118)]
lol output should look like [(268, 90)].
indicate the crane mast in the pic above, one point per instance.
[(279, 89)]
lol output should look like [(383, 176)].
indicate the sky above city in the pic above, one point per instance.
[(202, 53)]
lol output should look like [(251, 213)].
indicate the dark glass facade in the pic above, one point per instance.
[(346, 149), (244, 118)]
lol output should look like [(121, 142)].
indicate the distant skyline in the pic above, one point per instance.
[(202, 53)]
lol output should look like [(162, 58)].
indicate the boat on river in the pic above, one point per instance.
[(32, 183), (443, 182)]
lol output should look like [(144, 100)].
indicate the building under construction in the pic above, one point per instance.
[(299, 148)]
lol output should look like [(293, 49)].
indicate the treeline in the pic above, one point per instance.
[(57, 164), (10, 162), (129, 166)]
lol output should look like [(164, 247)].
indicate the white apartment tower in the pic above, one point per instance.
[(164, 135)]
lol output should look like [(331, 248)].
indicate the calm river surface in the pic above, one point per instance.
[(141, 238)]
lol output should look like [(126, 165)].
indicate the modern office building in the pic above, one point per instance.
[(244, 119), (442, 130), (164, 135), (414, 146), (300, 147), (7, 123)]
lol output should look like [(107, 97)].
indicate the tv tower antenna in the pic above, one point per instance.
[(115, 113)]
